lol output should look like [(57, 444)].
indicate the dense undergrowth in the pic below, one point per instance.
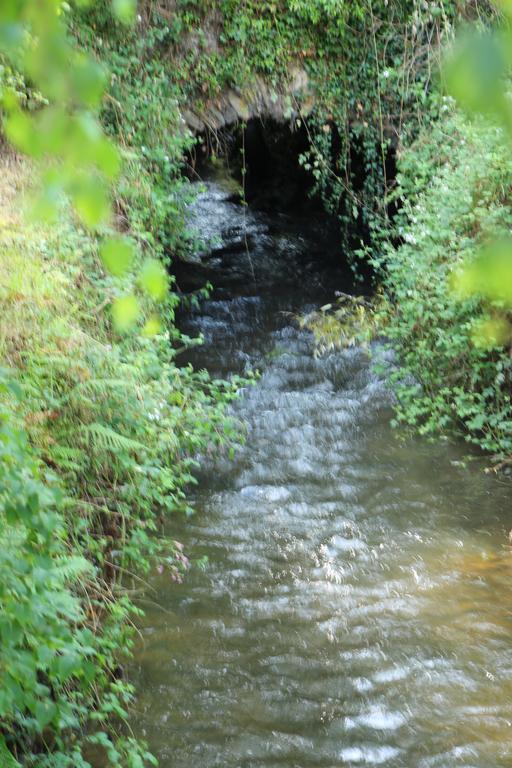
[(99, 438), (455, 363), (99, 430)]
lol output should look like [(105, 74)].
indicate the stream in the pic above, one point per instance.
[(355, 608)]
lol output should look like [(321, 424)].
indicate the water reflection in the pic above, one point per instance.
[(356, 608)]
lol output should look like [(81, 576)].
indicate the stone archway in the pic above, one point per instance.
[(260, 100)]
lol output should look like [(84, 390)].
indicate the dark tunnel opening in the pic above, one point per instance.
[(261, 165), (264, 157)]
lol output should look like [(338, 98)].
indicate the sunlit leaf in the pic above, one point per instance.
[(491, 332), (506, 6), (117, 255), (88, 130), (86, 145), (125, 312), (489, 275), (46, 205), (152, 327), (19, 129), (49, 64), (91, 201), (107, 158), (89, 80), (153, 278), (9, 99), (52, 131), (475, 75)]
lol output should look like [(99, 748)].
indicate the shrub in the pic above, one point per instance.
[(454, 184), (95, 453)]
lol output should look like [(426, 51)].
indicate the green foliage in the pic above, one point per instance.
[(369, 65), (449, 280), (114, 416), (64, 134), (454, 187), (391, 97), (477, 73), (142, 111), (120, 424), (33, 37), (102, 443), (52, 663)]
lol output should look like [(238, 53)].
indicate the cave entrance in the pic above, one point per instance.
[(268, 161), (258, 223), (261, 193), (263, 157), (267, 245)]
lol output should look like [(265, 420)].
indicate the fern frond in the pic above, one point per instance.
[(107, 439), (67, 458), (69, 568)]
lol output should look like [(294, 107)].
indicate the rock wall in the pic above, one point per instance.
[(260, 100)]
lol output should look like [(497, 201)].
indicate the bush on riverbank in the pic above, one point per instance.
[(454, 188), (98, 444)]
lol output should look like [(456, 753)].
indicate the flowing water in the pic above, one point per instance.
[(355, 609)]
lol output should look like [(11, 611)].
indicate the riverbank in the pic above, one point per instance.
[(453, 347), (99, 435)]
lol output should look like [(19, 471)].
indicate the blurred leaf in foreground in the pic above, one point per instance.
[(125, 312), (153, 279), (490, 332), (489, 275), (79, 161), (117, 255), (475, 74)]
